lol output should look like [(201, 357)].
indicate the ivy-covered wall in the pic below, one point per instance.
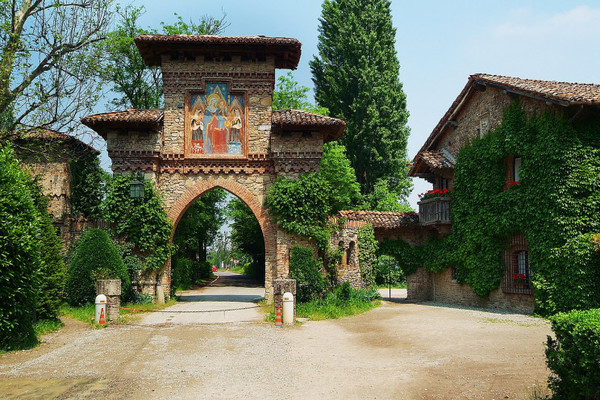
[(556, 205)]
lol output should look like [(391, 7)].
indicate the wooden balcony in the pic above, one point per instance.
[(434, 211)]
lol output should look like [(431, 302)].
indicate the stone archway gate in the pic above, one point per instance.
[(218, 129)]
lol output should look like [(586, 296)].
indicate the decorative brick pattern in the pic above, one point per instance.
[(286, 143)]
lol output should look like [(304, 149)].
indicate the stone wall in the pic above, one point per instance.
[(482, 112), (442, 288), (55, 180)]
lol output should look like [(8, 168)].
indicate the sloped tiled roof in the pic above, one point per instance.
[(286, 51), (304, 120), (572, 93), (436, 159), (562, 93), (382, 219), (131, 118), (51, 135)]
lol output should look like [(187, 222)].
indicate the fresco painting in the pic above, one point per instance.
[(217, 122)]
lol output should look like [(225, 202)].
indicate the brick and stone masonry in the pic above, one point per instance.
[(272, 143)]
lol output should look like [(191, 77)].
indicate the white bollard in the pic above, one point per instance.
[(100, 309), (288, 308)]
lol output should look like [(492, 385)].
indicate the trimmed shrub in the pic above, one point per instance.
[(19, 255), (52, 268), (185, 272), (305, 269), (574, 356), (96, 257), (52, 272)]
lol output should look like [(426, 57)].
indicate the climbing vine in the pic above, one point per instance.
[(367, 254), (141, 221), (556, 205), (87, 184)]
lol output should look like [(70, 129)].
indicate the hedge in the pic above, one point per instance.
[(306, 270), (96, 257), (574, 356)]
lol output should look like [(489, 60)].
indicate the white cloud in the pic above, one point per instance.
[(538, 45), (581, 20)]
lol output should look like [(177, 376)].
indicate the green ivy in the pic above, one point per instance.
[(87, 185), (141, 221), (367, 255), (556, 205), (302, 207)]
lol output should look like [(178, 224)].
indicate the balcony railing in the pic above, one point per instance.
[(435, 211)]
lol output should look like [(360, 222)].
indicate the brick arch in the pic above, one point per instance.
[(193, 191)]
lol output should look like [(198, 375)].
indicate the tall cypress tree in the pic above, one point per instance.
[(356, 78)]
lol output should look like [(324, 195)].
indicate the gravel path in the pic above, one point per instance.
[(397, 351)]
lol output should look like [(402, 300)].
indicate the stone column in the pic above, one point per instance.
[(111, 288)]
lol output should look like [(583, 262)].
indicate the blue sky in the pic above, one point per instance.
[(439, 43)]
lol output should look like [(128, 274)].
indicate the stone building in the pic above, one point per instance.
[(478, 109), (218, 129), (46, 154)]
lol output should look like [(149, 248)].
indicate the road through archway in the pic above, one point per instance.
[(230, 298)]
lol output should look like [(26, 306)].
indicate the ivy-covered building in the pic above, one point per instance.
[(61, 163), (515, 205)]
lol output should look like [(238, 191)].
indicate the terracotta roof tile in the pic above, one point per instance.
[(564, 93), (572, 93), (51, 135), (304, 120), (436, 159), (131, 118), (286, 51), (382, 219)]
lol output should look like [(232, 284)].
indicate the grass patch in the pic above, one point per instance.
[(86, 313), (83, 313), (46, 326), (337, 305), (401, 285)]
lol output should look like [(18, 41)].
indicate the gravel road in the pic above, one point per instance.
[(397, 351)]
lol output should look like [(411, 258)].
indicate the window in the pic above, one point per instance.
[(444, 183), (350, 254), (516, 168), (344, 257), (517, 274)]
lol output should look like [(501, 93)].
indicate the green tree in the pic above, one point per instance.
[(96, 257), (51, 278), (136, 84), (382, 198), (19, 254), (198, 226), (247, 240), (289, 94), (47, 64), (356, 76), (335, 169)]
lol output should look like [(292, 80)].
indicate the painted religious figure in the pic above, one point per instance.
[(216, 121)]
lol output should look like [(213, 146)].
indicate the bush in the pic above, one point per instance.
[(19, 255), (185, 272), (96, 257), (52, 272), (305, 269), (574, 356), (51, 269), (342, 302)]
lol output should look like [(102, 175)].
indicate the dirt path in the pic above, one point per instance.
[(398, 351)]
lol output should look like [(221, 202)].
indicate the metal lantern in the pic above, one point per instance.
[(136, 190)]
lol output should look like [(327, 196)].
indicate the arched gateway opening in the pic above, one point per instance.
[(218, 129), (268, 232)]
